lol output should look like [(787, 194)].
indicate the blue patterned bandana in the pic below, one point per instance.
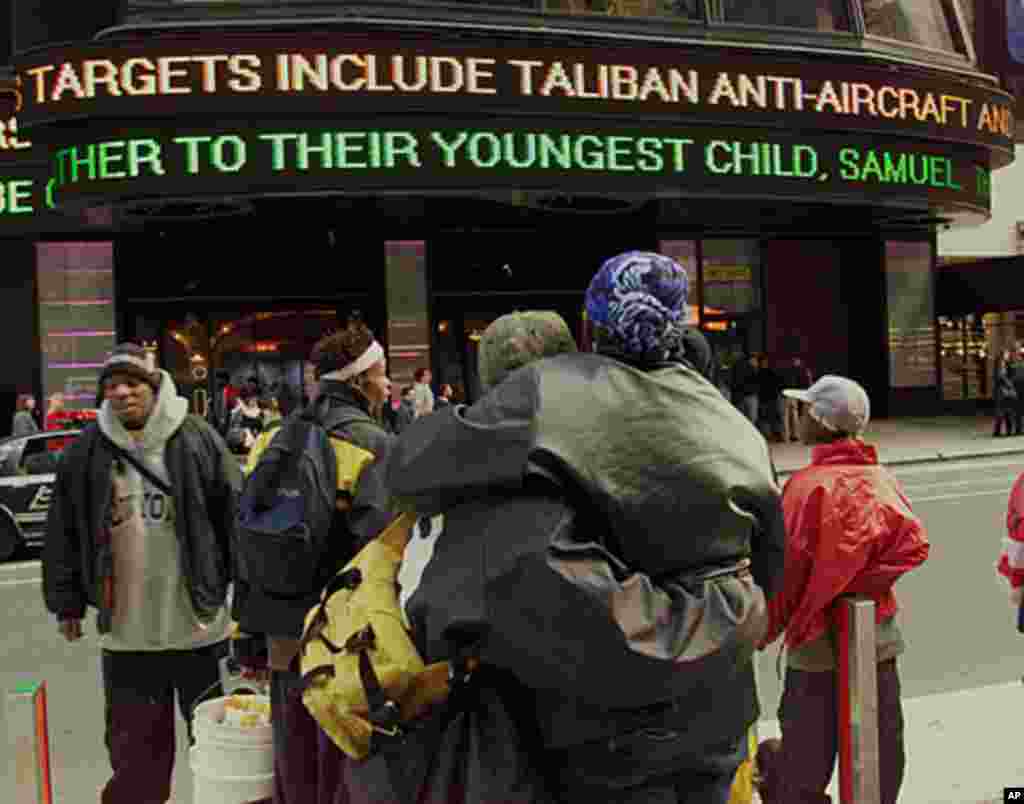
[(637, 299)]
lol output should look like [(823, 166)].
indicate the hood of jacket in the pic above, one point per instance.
[(169, 413)]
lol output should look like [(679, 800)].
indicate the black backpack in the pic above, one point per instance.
[(285, 517)]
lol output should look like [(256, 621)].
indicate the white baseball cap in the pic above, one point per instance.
[(837, 403)]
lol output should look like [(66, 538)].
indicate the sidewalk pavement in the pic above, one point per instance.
[(942, 734), (911, 440)]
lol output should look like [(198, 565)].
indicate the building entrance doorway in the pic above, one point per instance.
[(477, 277), (212, 353)]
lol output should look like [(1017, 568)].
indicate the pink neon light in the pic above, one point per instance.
[(76, 365), (78, 303), (82, 333)]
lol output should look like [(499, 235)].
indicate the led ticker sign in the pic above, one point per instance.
[(368, 157), (363, 76)]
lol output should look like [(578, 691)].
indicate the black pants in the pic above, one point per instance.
[(1006, 418), (139, 689), (800, 772)]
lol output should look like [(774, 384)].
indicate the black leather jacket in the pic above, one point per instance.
[(206, 480)]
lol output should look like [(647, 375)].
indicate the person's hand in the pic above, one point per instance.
[(71, 628), (257, 675), (1016, 596)]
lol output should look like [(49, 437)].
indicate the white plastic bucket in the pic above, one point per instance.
[(231, 764), (230, 789)]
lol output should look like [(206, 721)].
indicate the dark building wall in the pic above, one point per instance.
[(38, 22), (804, 313), (6, 12), (862, 297), (19, 328)]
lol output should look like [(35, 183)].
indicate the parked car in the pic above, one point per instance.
[(28, 471)]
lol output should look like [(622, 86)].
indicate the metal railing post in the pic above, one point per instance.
[(28, 743), (859, 779)]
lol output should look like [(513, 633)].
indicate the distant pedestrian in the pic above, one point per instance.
[(423, 396), (444, 397), (56, 415), (744, 384), (1004, 396), (1016, 370), (798, 377), (405, 414), (24, 422), (769, 391), (246, 421), (850, 530)]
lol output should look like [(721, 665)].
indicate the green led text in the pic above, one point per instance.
[(16, 197), (888, 167), (761, 159), (119, 159)]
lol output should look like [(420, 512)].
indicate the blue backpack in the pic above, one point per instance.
[(285, 516)]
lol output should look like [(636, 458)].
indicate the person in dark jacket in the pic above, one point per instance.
[(1004, 396), (406, 412), (617, 487), (353, 387), (141, 528), (1016, 371), (24, 422), (798, 376), (769, 392), (745, 386)]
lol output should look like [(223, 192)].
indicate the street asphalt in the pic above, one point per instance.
[(959, 629)]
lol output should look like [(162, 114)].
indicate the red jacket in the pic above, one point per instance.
[(1011, 560), (849, 530)]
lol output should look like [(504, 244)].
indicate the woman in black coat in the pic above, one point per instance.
[(1004, 395)]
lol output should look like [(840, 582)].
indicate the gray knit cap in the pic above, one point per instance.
[(517, 339)]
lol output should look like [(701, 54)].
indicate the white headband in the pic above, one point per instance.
[(367, 359)]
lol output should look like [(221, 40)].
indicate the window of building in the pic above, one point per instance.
[(928, 23), (815, 15), (685, 253), (911, 305), (76, 318), (969, 347), (731, 277), (680, 9)]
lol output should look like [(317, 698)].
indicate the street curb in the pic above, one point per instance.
[(937, 457)]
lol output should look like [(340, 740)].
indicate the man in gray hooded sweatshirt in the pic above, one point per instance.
[(141, 528)]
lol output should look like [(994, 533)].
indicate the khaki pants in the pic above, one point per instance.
[(791, 419)]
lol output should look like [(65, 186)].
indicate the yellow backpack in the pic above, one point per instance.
[(364, 679)]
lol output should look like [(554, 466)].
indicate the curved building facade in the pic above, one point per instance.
[(227, 180)]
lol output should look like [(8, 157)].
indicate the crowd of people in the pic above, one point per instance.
[(756, 382), (613, 541)]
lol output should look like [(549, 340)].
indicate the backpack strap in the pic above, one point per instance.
[(385, 717), (349, 579)]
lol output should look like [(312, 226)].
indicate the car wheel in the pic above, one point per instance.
[(10, 539)]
